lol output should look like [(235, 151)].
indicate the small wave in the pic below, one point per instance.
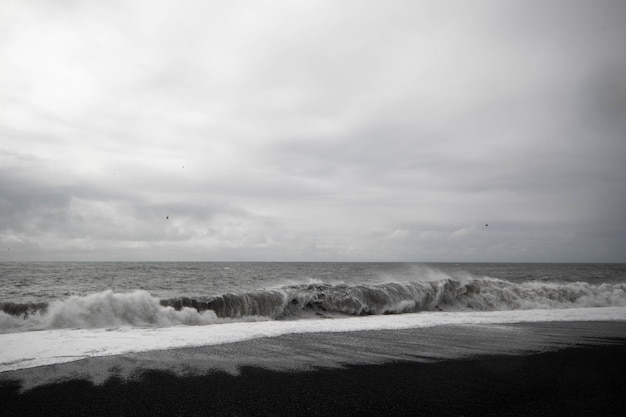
[(317, 299)]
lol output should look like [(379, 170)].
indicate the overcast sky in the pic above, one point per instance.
[(313, 130)]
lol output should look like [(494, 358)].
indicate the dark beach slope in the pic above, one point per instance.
[(582, 378), (582, 381)]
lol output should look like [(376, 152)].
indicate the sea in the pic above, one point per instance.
[(61, 312)]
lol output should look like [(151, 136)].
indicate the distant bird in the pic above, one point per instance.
[(167, 217), (486, 225)]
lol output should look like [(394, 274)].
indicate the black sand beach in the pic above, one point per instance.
[(582, 381), (586, 379)]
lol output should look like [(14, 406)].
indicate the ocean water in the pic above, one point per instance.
[(53, 313)]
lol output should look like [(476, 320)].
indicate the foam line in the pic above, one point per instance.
[(30, 349)]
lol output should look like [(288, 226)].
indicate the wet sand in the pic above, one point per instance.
[(580, 378)]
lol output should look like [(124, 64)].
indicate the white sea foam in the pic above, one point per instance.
[(110, 310), (30, 349)]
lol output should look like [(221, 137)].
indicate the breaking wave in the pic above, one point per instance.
[(408, 297), (138, 308)]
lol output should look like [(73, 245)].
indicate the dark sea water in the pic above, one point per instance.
[(47, 281)]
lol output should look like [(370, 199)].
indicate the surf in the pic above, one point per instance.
[(109, 309), (29, 349)]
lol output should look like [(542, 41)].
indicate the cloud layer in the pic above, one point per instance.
[(276, 130)]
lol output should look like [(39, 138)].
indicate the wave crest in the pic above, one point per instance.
[(139, 308), (106, 310), (393, 298)]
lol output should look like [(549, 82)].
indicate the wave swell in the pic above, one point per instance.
[(139, 308), (407, 297)]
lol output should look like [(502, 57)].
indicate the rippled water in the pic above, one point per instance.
[(43, 282)]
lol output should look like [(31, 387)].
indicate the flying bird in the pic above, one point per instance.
[(167, 217)]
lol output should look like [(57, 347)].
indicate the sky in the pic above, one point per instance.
[(353, 130)]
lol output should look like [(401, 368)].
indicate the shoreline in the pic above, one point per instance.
[(573, 381), (552, 368)]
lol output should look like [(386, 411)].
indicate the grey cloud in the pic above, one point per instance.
[(30, 208), (25, 202), (343, 131)]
